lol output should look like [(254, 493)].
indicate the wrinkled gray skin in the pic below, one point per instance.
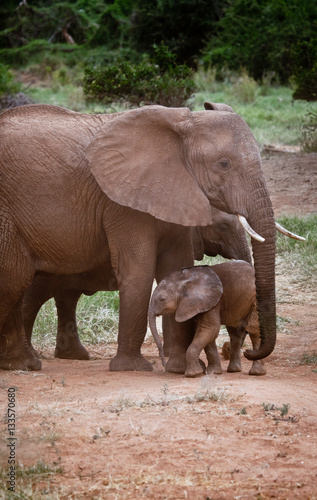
[(75, 187), (225, 236), (223, 294)]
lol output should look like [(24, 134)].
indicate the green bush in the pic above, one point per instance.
[(154, 81), (7, 83)]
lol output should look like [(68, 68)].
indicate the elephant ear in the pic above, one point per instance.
[(137, 159), (214, 106), (202, 292)]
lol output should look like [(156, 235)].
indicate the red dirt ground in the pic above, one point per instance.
[(163, 436)]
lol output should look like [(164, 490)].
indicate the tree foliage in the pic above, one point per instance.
[(305, 70), (258, 35), (183, 25), (68, 22)]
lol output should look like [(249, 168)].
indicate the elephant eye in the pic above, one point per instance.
[(224, 164)]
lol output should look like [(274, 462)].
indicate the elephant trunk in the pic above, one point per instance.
[(262, 221), (152, 324)]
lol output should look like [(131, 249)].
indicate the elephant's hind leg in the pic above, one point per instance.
[(15, 353), (236, 341), (257, 367), (17, 272), (68, 345)]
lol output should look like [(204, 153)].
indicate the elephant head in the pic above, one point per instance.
[(175, 164), (225, 237)]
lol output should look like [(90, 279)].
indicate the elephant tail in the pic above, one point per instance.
[(152, 324)]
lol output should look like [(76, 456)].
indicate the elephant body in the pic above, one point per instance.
[(80, 190), (223, 294), (225, 236)]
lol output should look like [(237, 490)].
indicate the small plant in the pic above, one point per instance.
[(221, 395), (7, 83), (308, 359), (308, 137), (284, 410), (245, 89)]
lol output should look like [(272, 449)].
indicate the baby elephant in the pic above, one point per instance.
[(223, 294)]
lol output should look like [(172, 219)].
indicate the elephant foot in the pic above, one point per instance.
[(130, 363), (79, 352), (214, 369), (234, 366), (176, 364), (257, 368), (195, 369), (24, 363)]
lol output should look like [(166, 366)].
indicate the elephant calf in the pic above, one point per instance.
[(223, 294)]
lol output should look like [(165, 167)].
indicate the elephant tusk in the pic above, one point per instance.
[(282, 230), (243, 221)]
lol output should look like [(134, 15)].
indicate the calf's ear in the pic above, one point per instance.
[(201, 293)]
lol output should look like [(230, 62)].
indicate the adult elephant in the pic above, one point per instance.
[(225, 237), (74, 185)]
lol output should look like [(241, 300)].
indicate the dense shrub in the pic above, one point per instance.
[(155, 81)]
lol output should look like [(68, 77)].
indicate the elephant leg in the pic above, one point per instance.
[(236, 340), (257, 367), (132, 326), (15, 353), (68, 345), (133, 249), (17, 273), (36, 295), (182, 336), (208, 326)]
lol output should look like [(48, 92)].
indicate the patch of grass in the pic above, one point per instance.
[(271, 409), (27, 478), (304, 253), (283, 323), (308, 358), (97, 319), (204, 393)]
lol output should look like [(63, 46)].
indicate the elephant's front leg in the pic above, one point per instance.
[(134, 301), (208, 326), (180, 337)]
